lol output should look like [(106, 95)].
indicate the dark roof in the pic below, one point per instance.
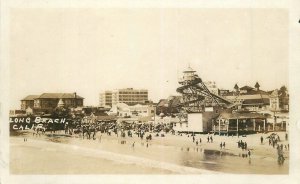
[(262, 101), (30, 97), (246, 88), (176, 101), (162, 102), (266, 101), (59, 95), (173, 101), (253, 102), (254, 92)]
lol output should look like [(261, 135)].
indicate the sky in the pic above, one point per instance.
[(91, 50)]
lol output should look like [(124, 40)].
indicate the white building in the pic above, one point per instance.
[(138, 110), (128, 96), (194, 124), (274, 100), (105, 99)]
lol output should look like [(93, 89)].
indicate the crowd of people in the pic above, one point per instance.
[(147, 131), (274, 140)]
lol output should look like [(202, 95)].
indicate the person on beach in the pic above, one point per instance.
[(278, 149), (133, 144), (224, 145), (193, 138), (249, 153), (286, 136), (221, 145), (200, 140), (211, 139), (196, 143), (261, 139), (208, 139), (245, 145), (270, 141)]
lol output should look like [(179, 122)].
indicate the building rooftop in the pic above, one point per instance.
[(247, 88), (59, 95), (189, 70), (262, 101), (31, 97), (227, 115)]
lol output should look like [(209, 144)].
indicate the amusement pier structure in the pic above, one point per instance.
[(196, 96)]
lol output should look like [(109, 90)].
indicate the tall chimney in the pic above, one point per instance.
[(75, 96)]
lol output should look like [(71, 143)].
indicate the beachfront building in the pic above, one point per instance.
[(241, 123), (199, 122), (47, 102), (50, 101), (138, 110), (128, 96), (279, 100), (252, 99), (169, 106)]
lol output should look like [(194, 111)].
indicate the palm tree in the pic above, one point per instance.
[(283, 91)]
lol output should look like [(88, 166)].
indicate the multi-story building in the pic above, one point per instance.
[(128, 96), (274, 100), (105, 99), (249, 98), (138, 110), (49, 101)]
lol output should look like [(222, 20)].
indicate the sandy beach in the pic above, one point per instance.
[(172, 154)]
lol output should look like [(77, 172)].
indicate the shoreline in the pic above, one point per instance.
[(112, 144), (162, 167)]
